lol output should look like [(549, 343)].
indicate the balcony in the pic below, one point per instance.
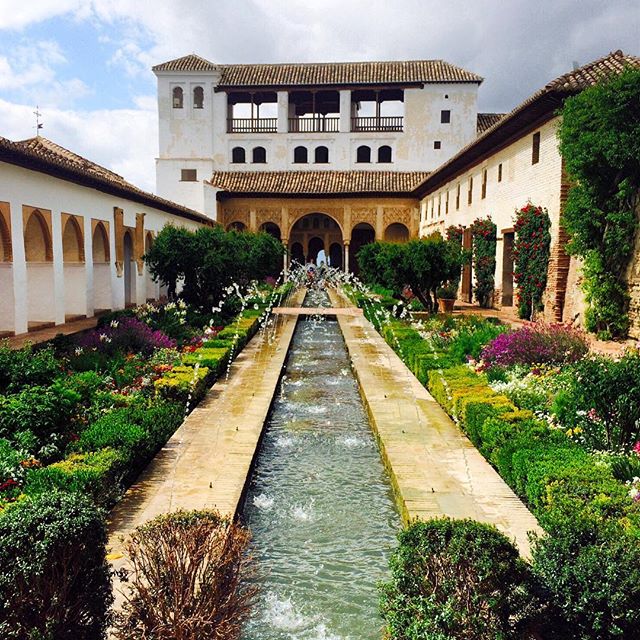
[(252, 125), (369, 124), (314, 125)]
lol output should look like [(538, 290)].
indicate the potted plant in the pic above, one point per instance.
[(447, 294)]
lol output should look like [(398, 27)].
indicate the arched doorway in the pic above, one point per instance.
[(7, 316), (335, 256), (236, 226), (101, 256), (297, 253), (315, 245), (272, 229), (361, 234), (75, 278), (396, 232), (129, 271), (313, 232)]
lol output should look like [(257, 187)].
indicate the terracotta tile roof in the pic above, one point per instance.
[(317, 182), (486, 120), (41, 154), (325, 73), (544, 102)]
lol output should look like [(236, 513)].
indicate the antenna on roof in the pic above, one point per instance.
[(576, 65), (39, 124)]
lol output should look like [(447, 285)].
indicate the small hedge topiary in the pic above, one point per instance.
[(458, 579), (54, 578)]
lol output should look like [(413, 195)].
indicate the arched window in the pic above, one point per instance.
[(5, 242), (238, 155), (322, 155), (178, 97), (363, 153), (259, 155), (198, 98), (384, 153), (100, 244), (300, 155)]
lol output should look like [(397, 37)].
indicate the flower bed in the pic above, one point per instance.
[(586, 500)]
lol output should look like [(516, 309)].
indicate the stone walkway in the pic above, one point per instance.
[(207, 461), (44, 335), (434, 468)]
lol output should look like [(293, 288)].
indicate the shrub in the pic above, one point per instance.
[(457, 579), (603, 402), (484, 235), (54, 578), (128, 335), (594, 578), (46, 411), (97, 474), (188, 580), (183, 382), (538, 343), (531, 257), (472, 337), (26, 367)]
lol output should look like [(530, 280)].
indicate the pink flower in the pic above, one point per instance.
[(636, 448)]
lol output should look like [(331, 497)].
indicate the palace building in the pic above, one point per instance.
[(325, 156)]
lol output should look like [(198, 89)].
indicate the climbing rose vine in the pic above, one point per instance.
[(484, 233), (531, 257)]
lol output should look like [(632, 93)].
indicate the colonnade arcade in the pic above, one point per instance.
[(339, 229), (64, 266)]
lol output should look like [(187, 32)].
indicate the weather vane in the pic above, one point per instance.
[(39, 124)]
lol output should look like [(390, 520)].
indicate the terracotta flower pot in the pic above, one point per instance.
[(446, 304)]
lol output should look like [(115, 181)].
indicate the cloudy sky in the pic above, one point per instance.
[(87, 63)]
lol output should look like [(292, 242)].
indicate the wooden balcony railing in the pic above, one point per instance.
[(252, 125), (371, 123), (313, 125)]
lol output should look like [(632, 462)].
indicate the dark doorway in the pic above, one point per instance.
[(297, 253), (507, 268), (335, 256), (362, 234), (315, 245)]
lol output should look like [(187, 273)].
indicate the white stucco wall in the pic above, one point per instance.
[(198, 139), (521, 182), (47, 291)]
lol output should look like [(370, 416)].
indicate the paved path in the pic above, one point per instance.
[(44, 335), (206, 462), (434, 468)]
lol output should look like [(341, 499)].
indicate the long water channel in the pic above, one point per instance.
[(320, 505)]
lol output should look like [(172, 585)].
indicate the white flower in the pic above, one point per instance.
[(102, 337), (113, 325), (79, 351)]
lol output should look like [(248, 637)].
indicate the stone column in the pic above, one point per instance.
[(285, 257), (345, 111), (58, 266), (88, 264), (20, 278), (346, 256), (283, 111)]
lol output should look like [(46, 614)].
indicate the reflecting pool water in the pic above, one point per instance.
[(319, 506)]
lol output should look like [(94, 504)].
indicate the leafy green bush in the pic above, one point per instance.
[(458, 579), (45, 411), (484, 232), (54, 578), (603, 401), (98, 474), (594, 578), (24, 367)]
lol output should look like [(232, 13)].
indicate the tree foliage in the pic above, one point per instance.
[(600, 144), (423, 264), (210, 259)]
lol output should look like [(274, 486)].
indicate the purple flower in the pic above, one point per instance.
[(129, 335)]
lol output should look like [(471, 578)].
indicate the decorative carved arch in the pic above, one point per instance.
[(336, 214), (367, 215), (236, 225), (37, 236), (397, 232), (72, 239)]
